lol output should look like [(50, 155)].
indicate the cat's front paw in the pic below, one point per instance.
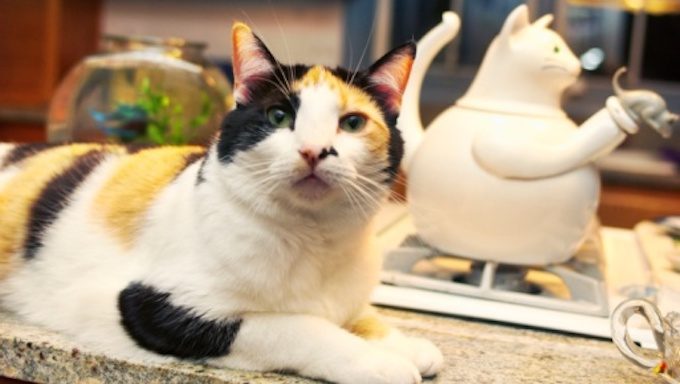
[(421, 352), (426, 356), (379, 367)]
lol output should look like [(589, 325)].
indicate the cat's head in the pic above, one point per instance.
[(535, 51), (525, 70), (312, 136)]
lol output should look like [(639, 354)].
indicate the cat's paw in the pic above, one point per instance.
[(426, 356), (421, 352), (379, 367)]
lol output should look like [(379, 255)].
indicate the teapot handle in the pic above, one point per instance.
[(622, 339)]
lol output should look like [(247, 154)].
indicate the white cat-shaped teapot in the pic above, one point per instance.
[(504, 175)]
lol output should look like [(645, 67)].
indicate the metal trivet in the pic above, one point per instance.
[(412, 265)]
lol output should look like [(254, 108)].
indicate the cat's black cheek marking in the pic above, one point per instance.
[(242, 129), (155, 324), (23, 151), (247, 125), (395, 151), (55, 197)]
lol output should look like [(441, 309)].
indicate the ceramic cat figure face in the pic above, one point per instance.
[(540, 52), (310, 136), (533, 64)]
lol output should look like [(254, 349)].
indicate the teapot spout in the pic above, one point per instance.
[(409, 122)]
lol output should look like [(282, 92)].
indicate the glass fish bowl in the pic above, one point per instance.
[(142, 90)]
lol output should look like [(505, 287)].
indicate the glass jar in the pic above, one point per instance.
[(141, 90)]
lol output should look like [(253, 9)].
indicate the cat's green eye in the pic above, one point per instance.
[(279, 117), (556, 49), (352, 122)]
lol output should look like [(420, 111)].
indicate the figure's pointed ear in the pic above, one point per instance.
[(516, 21), (251, 60), (544, 21), (388, 76)]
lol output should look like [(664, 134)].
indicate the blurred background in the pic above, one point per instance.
[(43, 40)]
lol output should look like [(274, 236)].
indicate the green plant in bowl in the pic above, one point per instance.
[(154, 117)]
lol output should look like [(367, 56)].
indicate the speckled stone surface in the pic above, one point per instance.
[(475, 352)]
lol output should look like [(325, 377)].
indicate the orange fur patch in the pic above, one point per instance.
[(352, 100), (21, 191), (369, 328), (128, 193)]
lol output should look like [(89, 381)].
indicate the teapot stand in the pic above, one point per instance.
[(576, 286)]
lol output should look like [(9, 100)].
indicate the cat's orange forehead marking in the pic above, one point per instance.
[(20, 193), (351, 99), (318, 75), (138, 179)]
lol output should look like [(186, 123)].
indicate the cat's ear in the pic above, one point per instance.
[(544, 21), (388, 76), (517, 20), (251, 61)]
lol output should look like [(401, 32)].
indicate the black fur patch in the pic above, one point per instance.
[(157, 325), (200, 178), (23, 151), (248, 124), (138, 147), (54, 198)]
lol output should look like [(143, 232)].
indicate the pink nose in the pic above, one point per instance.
[(311, 157)]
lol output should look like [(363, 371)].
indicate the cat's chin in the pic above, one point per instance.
[(312, 188)]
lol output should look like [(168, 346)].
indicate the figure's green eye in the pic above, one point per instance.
[(556, 49), (279, 117), (352, 122)]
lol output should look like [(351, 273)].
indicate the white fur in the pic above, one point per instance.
[(233, 246), (6, 174), (4, 150), (316, 122)]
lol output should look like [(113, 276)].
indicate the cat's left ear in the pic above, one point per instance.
[(388, 76), (544, 21), (251, 61)]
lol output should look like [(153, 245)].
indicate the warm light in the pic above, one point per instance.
[(649, 6)]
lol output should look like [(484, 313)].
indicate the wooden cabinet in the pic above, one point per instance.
[(41, 40), (626, 205)]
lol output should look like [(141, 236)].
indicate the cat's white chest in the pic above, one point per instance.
[(256, 267)]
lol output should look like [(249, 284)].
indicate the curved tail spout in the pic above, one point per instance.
[(409, 122)]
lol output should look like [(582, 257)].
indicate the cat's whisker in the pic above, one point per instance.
[(363, 53), (285, 45), (364, 195), (351, 58), (354, 203), (278, 85)]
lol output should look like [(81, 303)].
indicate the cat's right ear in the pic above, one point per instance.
[(517, 20), (251, 61)]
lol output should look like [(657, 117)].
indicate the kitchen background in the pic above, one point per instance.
[(43, 39)]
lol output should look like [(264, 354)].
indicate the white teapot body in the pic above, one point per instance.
[(463, 209)]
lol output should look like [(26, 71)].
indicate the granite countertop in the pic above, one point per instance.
[(475, 352)]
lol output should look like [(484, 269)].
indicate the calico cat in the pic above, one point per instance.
[(254, 253)]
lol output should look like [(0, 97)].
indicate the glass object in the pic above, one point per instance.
[(141, 90), (666, 330)]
